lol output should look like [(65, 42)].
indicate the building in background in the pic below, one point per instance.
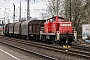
[(86, 31)]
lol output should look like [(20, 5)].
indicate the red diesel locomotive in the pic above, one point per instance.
[(57, 29)]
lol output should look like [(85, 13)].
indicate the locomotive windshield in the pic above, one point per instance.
[(51, 20), (60, 18)]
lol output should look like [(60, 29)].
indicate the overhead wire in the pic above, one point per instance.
[(4, 2)]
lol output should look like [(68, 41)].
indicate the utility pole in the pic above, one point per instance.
[(68, 10), (20, 11), (13, 13), (4, 21), (28, 11)]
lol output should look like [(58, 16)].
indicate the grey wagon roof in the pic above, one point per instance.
[(25, 23)]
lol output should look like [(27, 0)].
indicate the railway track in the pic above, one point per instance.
[(20, 44), (85, 47), (7, 40)]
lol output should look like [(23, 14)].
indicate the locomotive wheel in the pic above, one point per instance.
[(53, 40), (27, 38), (57, 42), (47, 41), (19, 37)]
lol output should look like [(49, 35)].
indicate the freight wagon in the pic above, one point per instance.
[(31, 28)]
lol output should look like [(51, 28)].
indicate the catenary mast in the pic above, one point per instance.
[(68, 10), (20, 11), (28, 11)]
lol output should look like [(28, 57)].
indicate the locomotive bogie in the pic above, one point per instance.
[(48, 38), (66, 39), (61, 38)]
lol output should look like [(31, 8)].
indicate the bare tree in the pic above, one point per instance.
[(80, 13), (55, 7), (44, 15)]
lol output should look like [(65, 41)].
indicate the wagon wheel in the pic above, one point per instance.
[(27, 38), (37, 39)]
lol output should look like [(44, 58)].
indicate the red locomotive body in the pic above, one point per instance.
[(65, 27), (61, 26), (55, 25), (58, 29), (47, 26)]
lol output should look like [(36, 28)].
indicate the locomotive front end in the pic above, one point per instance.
[(65, 30)]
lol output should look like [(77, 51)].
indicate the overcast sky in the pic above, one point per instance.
[(6, 8)]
